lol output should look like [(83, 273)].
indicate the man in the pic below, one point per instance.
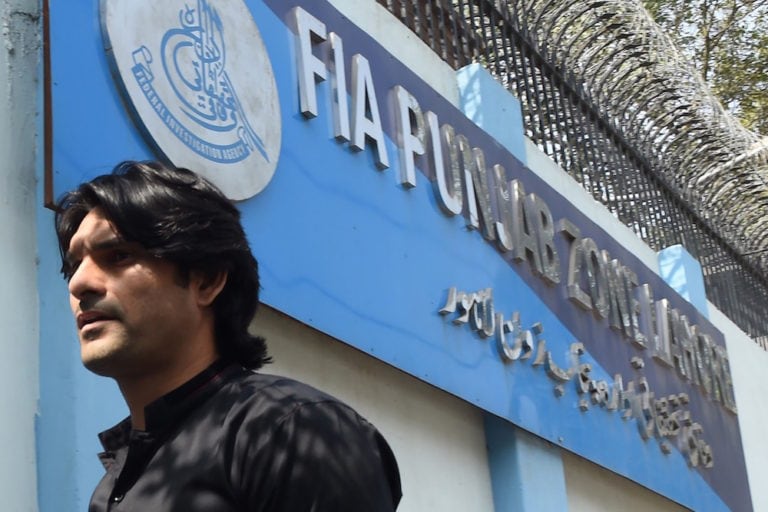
[(163, 287)]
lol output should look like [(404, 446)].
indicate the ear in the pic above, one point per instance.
[(208, 287)]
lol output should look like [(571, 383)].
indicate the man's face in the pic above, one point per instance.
[(133, 316)]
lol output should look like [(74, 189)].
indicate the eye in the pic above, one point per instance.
[(118, 256)]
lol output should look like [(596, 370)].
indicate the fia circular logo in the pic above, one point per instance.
[(199, 81)]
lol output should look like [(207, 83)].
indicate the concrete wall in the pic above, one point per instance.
[(589, 487), (438, 440), (748, 366), (593, 489), (19, 43), (401, 42), (543, 166)]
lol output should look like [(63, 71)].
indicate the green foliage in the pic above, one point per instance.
[(727, 41)]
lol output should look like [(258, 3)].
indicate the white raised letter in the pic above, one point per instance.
[(447, 177), (309, 31), (366, 123), (410, 134), (339, 85)]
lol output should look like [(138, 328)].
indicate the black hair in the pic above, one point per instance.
[(180, 217)]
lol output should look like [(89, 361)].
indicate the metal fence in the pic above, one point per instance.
[(563, 120)]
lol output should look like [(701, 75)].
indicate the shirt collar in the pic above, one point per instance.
[(172, 407)]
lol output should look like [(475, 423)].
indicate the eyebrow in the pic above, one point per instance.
[(102, 245)]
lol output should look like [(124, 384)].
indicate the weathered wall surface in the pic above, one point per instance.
[(19, 44)]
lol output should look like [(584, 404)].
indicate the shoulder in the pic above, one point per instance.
[(277, 387), (266, 406), (282, 428), (279, 397)]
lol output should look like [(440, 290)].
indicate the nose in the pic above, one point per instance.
[(87, 280)]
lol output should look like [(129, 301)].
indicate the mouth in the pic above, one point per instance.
[(87, 318)]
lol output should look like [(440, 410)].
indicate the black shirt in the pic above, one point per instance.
[(234, 440)]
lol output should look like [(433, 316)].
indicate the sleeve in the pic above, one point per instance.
[(320, 457)]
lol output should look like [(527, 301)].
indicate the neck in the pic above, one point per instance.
[(146, 388)]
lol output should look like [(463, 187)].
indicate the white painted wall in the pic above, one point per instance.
[(590, 488), (749, 363), (401, 42), (18, 289), (545, 168), (438, 440), (593, 489)]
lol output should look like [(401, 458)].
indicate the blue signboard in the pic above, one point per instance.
[(384, 217)]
